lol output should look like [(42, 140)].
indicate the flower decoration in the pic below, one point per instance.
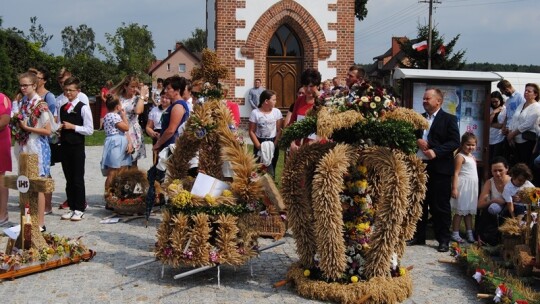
[(530, 195), (57, 247), (17, 132), (364, 98), (479, 274)]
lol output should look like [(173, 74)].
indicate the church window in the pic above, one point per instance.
[(284, 43)]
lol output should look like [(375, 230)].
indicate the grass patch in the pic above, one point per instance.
[(98, 139)]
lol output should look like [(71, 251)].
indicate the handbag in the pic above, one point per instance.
[(529, 135)]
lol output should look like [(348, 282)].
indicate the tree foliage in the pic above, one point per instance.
[(78, 41), (488, 67), (360, 10), (37, 33), (419, 59), (132, 48), (197, 42)]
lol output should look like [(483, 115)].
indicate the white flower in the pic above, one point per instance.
[(387, 103), (377, 99)]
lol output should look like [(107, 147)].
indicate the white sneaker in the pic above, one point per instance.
[(68, 215), (457, 238), (77, 215)]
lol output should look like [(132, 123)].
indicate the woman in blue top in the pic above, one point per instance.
[(176, 89)]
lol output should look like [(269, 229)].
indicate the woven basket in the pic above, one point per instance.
[(509, 242), (269, 226), (126, 206)]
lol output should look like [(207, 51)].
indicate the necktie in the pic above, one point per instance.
[(68, 106)]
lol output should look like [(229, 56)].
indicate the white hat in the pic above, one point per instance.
[(494, 209)]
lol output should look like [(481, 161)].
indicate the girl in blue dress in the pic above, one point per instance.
[(117, 148)]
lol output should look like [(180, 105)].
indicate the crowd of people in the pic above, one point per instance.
[(453, 185), (55, 128)]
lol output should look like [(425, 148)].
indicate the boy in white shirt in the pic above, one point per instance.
[(521, 176)]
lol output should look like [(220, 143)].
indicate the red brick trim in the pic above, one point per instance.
[(291, 13)]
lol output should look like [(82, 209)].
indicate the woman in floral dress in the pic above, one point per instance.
[(133, 105), (36, 121)]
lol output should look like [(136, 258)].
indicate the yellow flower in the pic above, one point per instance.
[(354, 279), (362, 227), (307, 273), (181, 199), (362, 169), (402, 271), (364, 99), (172, 187), (373, 105), (227, 193), (210, 199), (377, 99), (362, 184)]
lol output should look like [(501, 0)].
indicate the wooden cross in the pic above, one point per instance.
[(28, 166)]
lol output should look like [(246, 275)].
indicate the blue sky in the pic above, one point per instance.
[(496, 31)]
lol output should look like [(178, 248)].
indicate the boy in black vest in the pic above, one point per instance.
[(76, 120)]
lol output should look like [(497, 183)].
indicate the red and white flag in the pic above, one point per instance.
[(441, 50), (420, 46)]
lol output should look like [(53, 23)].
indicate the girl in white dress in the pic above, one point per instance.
[(464, 200)]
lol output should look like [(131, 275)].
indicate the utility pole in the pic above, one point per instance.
[(430, 28)]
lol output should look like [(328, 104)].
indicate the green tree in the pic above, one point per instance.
[(37, 33), (132, 48), (79, 41), (439, 60), (197, 42), (360, 10)]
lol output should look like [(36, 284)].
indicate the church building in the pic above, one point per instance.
[(275, 40)]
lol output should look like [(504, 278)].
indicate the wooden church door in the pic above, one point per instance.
[(284, 65)]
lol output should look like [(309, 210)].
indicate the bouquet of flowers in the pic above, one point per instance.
[(17, 133), (362, 97)]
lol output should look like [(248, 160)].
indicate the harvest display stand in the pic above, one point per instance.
[(29, 185)]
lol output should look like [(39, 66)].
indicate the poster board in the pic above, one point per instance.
[(466, 101)]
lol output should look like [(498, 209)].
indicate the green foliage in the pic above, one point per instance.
[(79, 41), (17, 54), (235, 210), (488, 67), (197, 42), (360, 10), (132, 48), (419, 60), (37, 33), (299, 129), (92, 72), (395, 134)]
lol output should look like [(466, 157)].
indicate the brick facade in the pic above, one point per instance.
[(316, 46)]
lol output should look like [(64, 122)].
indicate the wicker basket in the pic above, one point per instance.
[(509, 242), (128, 206), (269, 226)]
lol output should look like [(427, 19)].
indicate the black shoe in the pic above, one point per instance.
[(415, 241), (443, 247), (43, 229)]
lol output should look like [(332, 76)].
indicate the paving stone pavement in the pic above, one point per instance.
[(105, 279)]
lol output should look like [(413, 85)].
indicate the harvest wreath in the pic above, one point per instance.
[(354, 197), (204, 231)]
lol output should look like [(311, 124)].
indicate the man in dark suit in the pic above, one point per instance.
[(436, 147)]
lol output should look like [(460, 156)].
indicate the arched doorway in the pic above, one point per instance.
[(284, 65)]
